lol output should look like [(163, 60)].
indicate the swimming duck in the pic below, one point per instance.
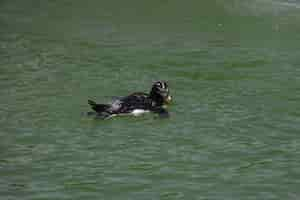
[(137, 103)]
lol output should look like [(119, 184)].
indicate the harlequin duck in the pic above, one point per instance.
[(137, 103)]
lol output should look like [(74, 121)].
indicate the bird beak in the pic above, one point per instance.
[(168, 99)]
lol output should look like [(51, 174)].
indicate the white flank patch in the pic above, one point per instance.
[(138, 112)]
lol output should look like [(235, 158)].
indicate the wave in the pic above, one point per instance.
[(261, 7), (292, 4)]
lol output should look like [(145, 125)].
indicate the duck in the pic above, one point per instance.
[(137, 103)]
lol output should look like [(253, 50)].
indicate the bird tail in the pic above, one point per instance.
[(99, 108)]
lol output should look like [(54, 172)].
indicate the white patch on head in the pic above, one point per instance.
[(138, 112), (161, 85)]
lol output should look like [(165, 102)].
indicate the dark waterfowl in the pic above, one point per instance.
[(137, 103)]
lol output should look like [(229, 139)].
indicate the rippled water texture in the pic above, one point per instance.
[(233, 71)]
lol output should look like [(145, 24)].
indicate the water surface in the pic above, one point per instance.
[(233, 70)]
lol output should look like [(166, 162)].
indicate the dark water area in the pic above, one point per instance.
[(233, 71)]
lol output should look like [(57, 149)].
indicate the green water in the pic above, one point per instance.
[(233, 71)]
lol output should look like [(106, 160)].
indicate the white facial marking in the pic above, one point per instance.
[(158, 84)]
